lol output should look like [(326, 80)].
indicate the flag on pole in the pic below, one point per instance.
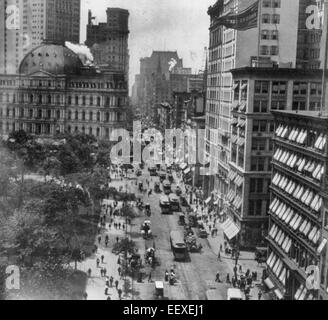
[(244, 20)]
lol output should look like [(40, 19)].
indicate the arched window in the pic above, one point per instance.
[(98, 132), (91, 116), (91, 101), (83, 100), (98, 101), (76, 115), (98, 116), (76, 100), (69, 100), (83, 115), (49, 99)]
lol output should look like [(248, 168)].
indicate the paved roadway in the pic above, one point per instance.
[(193, 276)]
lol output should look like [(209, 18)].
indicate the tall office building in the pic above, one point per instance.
[(109, 41), (25, 24), (279, 39)]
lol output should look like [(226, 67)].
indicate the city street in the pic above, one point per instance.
[(194, 277)]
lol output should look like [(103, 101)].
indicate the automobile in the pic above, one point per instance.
[(159, 290), (203, 234), (178, 191), (234, 294)]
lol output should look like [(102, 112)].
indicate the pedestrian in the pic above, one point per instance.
[(119, 226), (119, 260), (95, 249), (123, 227), (89, 272), (106, 243), (117, 239), (217, 279), (260, 295), (106, 291), (85, 296), (247, 273), (105, 272), (111, 280), (221, 247), (166, 278), (240, 269), (228, 278), (149, 277), (219, 256), (119, 271), (116, 284), (98, 262), (119, 291), (101, 272), (99, 239), (107, 281), (102, 259)]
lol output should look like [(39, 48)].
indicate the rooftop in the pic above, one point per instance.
[(313, 115)]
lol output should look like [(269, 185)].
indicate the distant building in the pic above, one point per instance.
[(55, 93), (109, 41), (29, 23)]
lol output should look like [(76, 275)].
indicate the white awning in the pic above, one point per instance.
[(230, 229), (187, 171), (244, 86), (183, 166), (236, 85), (278, 294), (269, 283), (208, 200), (216, 202), (322, 246)]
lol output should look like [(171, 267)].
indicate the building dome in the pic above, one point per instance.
[(52, 58)]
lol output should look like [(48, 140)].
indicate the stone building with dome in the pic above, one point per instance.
[(55, 93)]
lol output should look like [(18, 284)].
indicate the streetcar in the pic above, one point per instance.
[(178, 246), (174, 202), (167, 187), (164, 203)]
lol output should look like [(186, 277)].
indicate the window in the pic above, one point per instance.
[(265, 18), (39, 113), (276, 3), (256, 185), (275, 19), (69, 115), (259, 126), (76, 100), (265, 35), (69, 100), (266, 3), (98, 101), (91, 101), (258, 164), (274, 50), (58, 114), (278, 105), (83, 115), (299, 105), (90, 131), (279, 87), (31, 113), (40, 99), (107, 117), (49, 99), (98, 116), (83, 100), (316, 89), (265, 51), (76, 115), (255, 207), (48, 114), (274, 34), (98, 132), (91, 116), (31, 98), (300, 88), (261, 87), (314, 106), (260, 106), (259, 144)]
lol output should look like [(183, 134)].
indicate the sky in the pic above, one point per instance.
[(173, 25)]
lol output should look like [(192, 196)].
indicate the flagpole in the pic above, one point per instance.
[(260, 30), (324, 71)]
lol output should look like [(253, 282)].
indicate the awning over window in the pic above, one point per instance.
[(186, 171), (322, 246), (234, 139), (269, 283), (236, 85), (230, 229), (231, 196), (235, 105), (239, 181), (241, 142), (238, 202), (278, 294), (232, 175), (242, 106), (241, 123), (183, 166), (208, 200), (244, 86), (234, 121)]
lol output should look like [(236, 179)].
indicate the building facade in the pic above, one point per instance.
[(25, 24), (55, 93), (298, 210), (109, 41), (279, 41)]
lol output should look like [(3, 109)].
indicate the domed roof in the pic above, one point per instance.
[(52, 58)]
